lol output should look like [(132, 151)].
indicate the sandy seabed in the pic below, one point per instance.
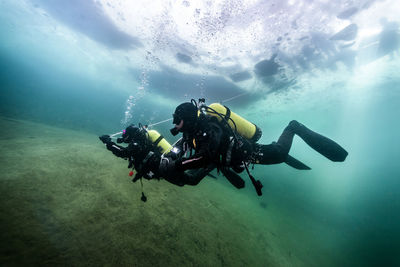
[(66, 200)]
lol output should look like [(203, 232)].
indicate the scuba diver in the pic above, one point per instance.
[(145, 150), (219, 136)]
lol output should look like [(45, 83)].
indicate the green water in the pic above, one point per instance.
[(66, 200)]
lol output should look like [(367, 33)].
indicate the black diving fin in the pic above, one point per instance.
[(233, 178), (323, 145), (295, 163), (212, 175)]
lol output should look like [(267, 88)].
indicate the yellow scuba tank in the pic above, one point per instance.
[(157, 139), (245, 128)]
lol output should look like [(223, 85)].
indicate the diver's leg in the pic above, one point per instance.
[(278, 152), (190, 177), (233, 178), (275, 152), (319, 143), (269, 154), (177, 179), (193, 177)]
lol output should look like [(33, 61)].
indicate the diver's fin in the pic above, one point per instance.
[(233, 178), (212, 176), (295, 163), (321, 144)]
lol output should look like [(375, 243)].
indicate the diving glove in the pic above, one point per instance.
[(105, 139)]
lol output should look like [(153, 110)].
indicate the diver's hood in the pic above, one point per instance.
[(188, 113), (132, 134)]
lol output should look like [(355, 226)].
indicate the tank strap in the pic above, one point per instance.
[(158, 140), (228, 113)]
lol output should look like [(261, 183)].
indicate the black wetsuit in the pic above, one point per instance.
[(146, 160), (214, 143)]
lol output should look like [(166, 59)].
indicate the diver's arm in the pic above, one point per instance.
[(181, 178), (208, 143), (200, 159), (195, 162), (175, 162), (117, 150), (169, 167), (207, 151)]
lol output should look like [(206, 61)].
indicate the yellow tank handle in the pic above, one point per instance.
[(245, 128), (154, 136)]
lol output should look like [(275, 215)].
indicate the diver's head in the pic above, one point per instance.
[(185, 117), (132, 134)]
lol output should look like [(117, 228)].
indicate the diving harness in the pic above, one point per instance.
[(152, 138), (229, 119)]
